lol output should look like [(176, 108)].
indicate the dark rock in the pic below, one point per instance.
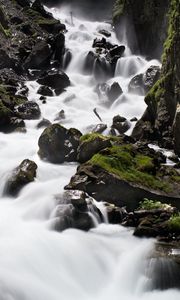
[(55, 79), (117, 51), (39, 56), (60, 115), (67, 58), (104, 32), (5, 116), (134, 119), (23, 3), (142, 83), (43, 123), (91, 146), (57, 144), (45, 91), (114, 92), (89, 62), (5, 60), (176, 132), (101, 69), (29, 110), (58, 46), (115, 214), (100, 128), (120, 124), (73, 211), (23, 174)]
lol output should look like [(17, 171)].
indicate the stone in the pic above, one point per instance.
[(39, 56), (114, 92), (176, 131), (45, 91), (58, 144), (104, 32), (117, 51), (91, 145), (55, 79), (29, 110), (22, 175), (43, 123)]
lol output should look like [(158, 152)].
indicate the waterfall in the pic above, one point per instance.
[(38, 263)]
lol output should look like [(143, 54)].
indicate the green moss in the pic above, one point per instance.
[(91, 136), (174, 223), (124, 162), (150, 204)]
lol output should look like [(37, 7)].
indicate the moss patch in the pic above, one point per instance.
[(127, 164), (174, 223), (150, 204)]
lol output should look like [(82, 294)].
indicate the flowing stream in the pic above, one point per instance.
[(39, 263)]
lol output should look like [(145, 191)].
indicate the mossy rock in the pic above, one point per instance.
[(5, 115), (123, 175)]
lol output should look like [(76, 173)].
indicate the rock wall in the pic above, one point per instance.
[(144, 23), (161, 118)]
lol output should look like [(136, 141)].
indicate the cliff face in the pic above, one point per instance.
[(161, 117), (144, 22)]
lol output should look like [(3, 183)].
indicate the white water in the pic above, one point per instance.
[(38, 263)]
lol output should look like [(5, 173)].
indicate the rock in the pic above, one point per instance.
[(99, 128), (58, 47), (91, 144), (101, 69), (122, 175), (39, 56), (23, 3), (22, 175), (97, 43), (57, 144), (89, 62), (115, 214), (114, 92), (134, 119), (142, 83), (55, 79), (43, 123), (117, 51), (5, 116), (104, 32), (45, 91), (29, 110), (60, 116), (5, 60), (120, 124), (67, 58), (73, 210)]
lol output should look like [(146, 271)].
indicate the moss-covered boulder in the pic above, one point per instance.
[(22, 175), (91, 144), (124, 175), (58, 144), (29, 110)]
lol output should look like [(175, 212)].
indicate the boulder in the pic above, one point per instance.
[(73, 211), (117, 51), (114, 91), (43, 123), (104, 32), (45, 91), (55, 79), (29, 110), (91, 144), (58, 144), (22, 175), (123, 175), (120, 124), (39, 56)]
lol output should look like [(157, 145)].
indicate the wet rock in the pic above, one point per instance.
[(114, 91), (43, 123), (115, 214), (91, 144), (120, 124), (117, 51), (29, 110), (45, 91), (22, 175), (142, 83), (101, 43), (89, 62), (39, 56), (101, 69), (99, 128), (67, 58), (23, 3), (5, 116), (55, 79), (73, 211), (104, 32), (122, 175), (57, 144), (60, 116), (5, 60), (134, 119)]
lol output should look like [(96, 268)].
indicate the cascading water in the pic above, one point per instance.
[(38, 263)]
